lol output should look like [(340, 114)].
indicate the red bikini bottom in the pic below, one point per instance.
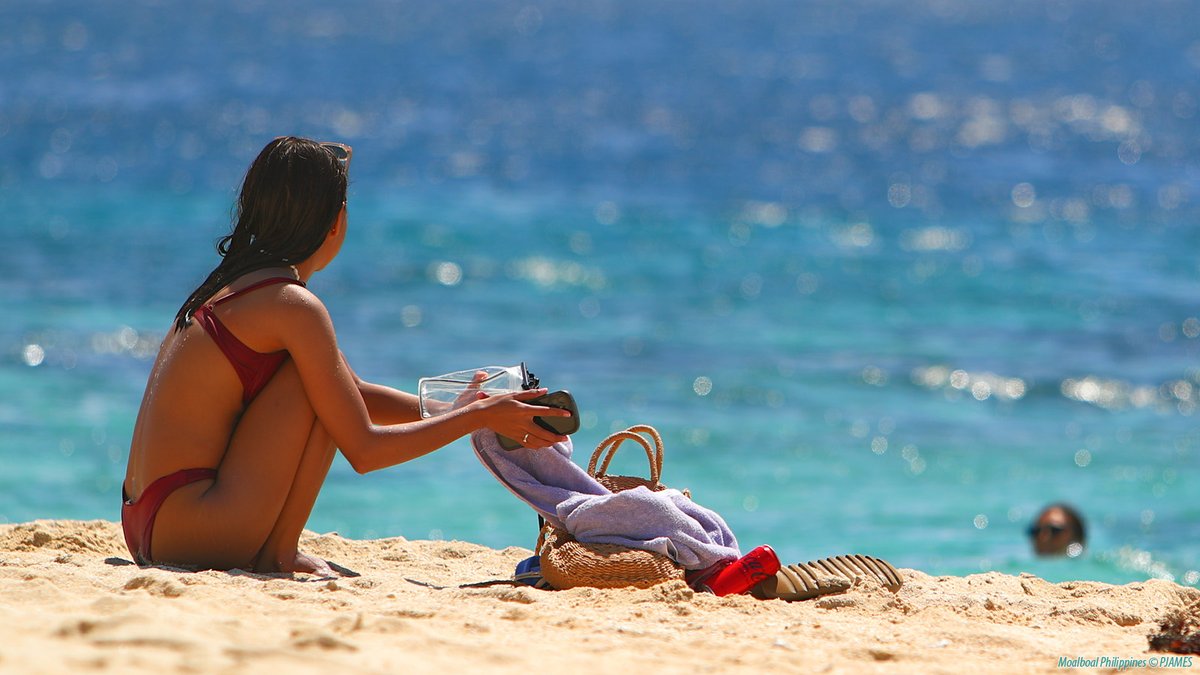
[(137, 517)]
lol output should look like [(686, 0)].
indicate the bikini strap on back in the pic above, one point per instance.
[(255, 286)]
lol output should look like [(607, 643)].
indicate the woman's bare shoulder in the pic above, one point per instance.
[(298, 311), (298, 301)]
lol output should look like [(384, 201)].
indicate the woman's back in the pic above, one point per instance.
[(194, 396)]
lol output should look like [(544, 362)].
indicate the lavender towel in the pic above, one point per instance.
[(665, 522)]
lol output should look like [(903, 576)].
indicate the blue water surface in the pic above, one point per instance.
[(888, 276)]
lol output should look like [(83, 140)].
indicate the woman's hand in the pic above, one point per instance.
[(509, 415), (471, 393)]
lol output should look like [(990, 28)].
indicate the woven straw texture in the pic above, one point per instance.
[(567, 563)]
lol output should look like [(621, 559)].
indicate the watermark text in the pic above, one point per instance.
[(1121, 663)]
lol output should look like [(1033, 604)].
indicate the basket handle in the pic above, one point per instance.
[(608, 449)]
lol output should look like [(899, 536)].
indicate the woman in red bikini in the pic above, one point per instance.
[(250, 397)]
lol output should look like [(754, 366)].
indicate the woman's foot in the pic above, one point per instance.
[(297, 562), (311, 565)]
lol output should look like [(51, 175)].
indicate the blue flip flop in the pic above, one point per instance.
[(529, 572)]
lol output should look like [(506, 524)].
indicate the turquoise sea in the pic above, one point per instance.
[(888, 276)]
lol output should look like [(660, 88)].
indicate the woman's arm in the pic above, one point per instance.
[(306, 331), (385, 405)]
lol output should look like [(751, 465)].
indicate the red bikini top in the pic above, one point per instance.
[(253, 368)]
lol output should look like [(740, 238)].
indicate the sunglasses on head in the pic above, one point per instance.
[(339, 151)]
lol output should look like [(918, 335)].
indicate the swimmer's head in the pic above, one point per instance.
[(1058, 530)]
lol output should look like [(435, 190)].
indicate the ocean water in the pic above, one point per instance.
[(888, 276)]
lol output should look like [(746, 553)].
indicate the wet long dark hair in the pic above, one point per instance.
[(290, 197)]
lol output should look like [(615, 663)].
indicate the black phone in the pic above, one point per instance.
[(559, 425)]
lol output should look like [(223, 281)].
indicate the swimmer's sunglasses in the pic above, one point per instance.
[(1055, 530)]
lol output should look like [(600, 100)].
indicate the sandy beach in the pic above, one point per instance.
[(70, 601)]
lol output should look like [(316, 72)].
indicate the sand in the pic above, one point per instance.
[(70, 601)]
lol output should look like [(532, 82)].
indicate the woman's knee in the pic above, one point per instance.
[(285, 386), (270, 440)]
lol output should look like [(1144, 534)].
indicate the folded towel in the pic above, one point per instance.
[(665, 522)]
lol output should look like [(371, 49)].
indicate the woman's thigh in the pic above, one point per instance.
[(226, 521)]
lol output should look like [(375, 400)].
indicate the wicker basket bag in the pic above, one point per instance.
[(568, 563)]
